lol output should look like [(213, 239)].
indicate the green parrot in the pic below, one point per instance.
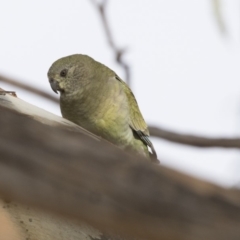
[(94, 97)]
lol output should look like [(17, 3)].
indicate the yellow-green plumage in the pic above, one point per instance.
[(94, 97)]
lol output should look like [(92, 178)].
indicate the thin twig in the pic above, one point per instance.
[(196, 141), (101, 7), (218, 14), (17, 83), (3, 92)]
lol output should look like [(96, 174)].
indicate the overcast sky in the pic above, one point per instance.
[(184, 72)]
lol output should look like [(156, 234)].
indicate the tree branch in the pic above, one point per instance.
[(196, 141), (218, 15), (19, 84), (187, 139), (101, 7), (95, 182)]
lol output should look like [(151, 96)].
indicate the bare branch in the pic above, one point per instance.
[(101, 7), (3, 92), (218, 15), (187, 139), (19, 84), (192, 140)]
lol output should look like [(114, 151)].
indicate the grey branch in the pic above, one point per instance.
[(101, 7), (80, 177), (19, 84), (218, 15), (187, 139), (192, 140)]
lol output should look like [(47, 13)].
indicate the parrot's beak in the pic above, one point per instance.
[(54, 85)]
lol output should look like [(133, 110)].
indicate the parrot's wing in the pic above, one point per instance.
[(137, 122)]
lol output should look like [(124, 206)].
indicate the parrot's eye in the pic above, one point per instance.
[(63, 73)]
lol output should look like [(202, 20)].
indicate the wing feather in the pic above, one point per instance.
[(137, 122)]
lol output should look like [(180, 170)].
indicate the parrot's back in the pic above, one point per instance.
[(94, 97)]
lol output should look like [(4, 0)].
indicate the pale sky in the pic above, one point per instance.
[(185, 73)]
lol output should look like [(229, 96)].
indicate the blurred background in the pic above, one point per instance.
[(183, 58)]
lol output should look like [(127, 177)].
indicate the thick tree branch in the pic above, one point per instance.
[(101, 7), (95, 182)]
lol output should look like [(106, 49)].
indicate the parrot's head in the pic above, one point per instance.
[(72, 73)]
